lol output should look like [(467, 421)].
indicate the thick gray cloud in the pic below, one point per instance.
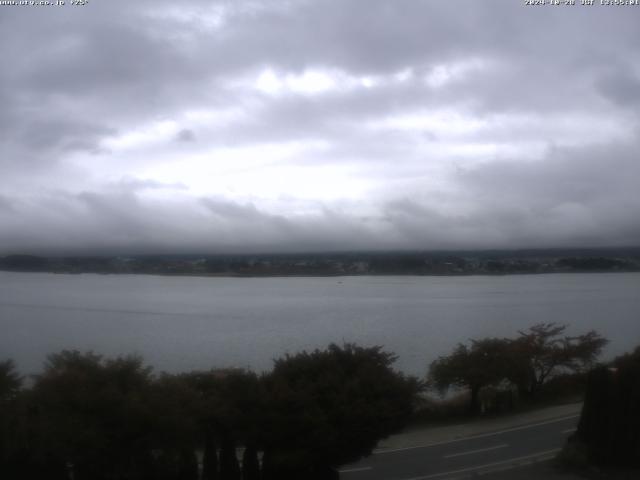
[(325, 124)]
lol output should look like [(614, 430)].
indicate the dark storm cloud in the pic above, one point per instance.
[(62, 135), (468, 123), (621, 85), (5, 203), (128, 184), (572, 195), (121, 221), (186, 135), (76, 78)]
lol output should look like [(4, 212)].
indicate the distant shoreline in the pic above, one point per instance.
[(438, 264), (325, 275)]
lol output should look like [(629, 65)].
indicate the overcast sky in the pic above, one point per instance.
[(276, 125)]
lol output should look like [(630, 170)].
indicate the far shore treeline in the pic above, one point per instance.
[(87, 417), (490, 262)]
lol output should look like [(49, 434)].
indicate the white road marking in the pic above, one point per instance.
[(482, 435), (350, 470), (480, 450), (569, 430), (538, 455)]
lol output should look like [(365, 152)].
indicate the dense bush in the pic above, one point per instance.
[(609, 428), (90, 418), (330, 407), (535, 363)]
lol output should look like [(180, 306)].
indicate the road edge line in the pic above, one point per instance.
[(487, 467), (480, 435)]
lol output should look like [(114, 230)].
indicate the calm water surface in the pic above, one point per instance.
[(181, 323)]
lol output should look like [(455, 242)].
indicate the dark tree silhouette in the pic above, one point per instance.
[(93, 415), (229, 410), (250, 464), (175, 429), (10, 385), (485, 362), (10, 381), (92, 418), (528, 362), (542, 352), (210, 456), (609, 426), (229, 465), (331, 407)]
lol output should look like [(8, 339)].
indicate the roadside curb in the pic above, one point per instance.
[(494, 467), (441, 435)]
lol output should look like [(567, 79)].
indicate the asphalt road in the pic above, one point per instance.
[(465, 457)]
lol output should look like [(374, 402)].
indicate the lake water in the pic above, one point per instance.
[(182, 323)]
